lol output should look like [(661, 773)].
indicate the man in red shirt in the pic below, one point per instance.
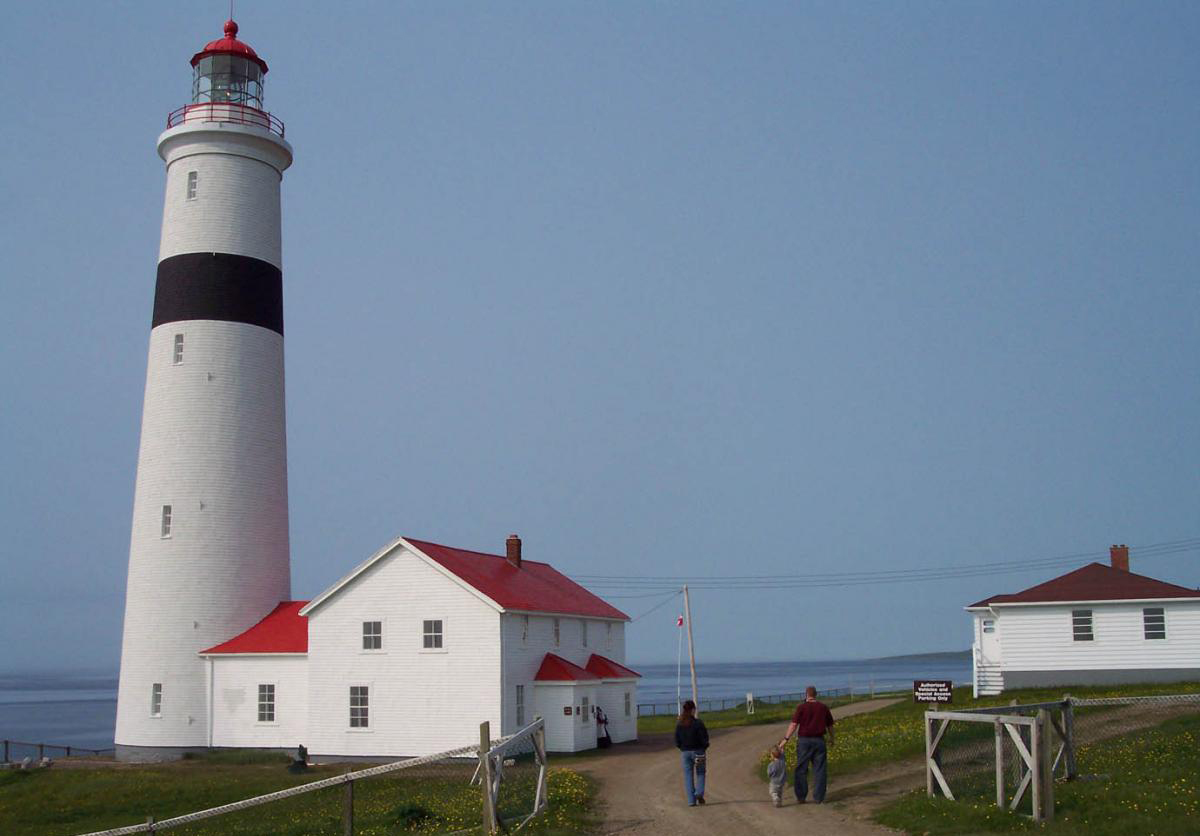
[(811, 721)]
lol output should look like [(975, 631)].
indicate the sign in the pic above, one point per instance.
[(749, 703), (933, 690), (567, 710)]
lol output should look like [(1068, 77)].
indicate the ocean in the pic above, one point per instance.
[(80, 708)]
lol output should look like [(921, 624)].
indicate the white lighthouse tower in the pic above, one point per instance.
[(208, 555)]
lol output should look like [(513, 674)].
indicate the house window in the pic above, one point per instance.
[(584, 625), (266, 703), (586, 711), (432, 638), (360, 701), (556, 632), (1081, 625), (989, 626), (1154, 623), (372, 635), (193, 178), (520, 706), (524, 629), (628, 704), (166, 521), (177, 355), (156, 699), (608, 636)]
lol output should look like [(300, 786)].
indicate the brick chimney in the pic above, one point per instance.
[(512, 551), (1118, 554)]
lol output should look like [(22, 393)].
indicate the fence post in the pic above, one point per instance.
[(485, 775), (1037, 736), (1046, 763), (149, 824), (999, 764), (1068, 715), (6, 751), (41, 751), (928, 747), (348, 808)]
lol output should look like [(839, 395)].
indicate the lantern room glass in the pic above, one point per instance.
[(227, 79)]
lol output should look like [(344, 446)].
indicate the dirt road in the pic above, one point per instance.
[(641, 788)]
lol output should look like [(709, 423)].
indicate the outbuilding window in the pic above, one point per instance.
[(608, 636), (360, 703), (520, 706), (1081, 625), (556, 632), (989, 626), (628, 704), (165, 530), (524, 629), (584, 623), (432, 637), (156, 699), (266, 703), (586, 711), (1154, 622), (192, 182), (372, 635)]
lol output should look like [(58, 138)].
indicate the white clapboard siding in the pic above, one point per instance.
[(1038, 638), (420, 701), (235, 701)]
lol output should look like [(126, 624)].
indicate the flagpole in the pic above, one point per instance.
[(679, 667), (687, 609)]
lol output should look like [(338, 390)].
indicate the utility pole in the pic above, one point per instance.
[(687, 609)]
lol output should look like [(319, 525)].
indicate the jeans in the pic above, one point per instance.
[(692, 787), (810, 749)]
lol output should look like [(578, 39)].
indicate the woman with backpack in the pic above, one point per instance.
[(691, 739)]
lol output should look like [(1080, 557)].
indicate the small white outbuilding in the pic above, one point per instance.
[(413, 649), (1097, 625)]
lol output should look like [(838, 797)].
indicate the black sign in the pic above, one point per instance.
[(933, 690)]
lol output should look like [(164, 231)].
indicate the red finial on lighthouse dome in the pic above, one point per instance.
[(230, 45)]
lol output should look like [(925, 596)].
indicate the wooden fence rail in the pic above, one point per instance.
[(42, 747)]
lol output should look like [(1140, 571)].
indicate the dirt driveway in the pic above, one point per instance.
[(641, 789)]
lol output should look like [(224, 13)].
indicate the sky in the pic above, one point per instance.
[(674, 289)]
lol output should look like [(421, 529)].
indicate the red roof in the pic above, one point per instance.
[(535, 587), (229, 45), (557, 669), (608, 669), (1094, 582), (284, 630)]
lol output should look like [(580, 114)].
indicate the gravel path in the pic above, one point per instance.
[(641, 789)]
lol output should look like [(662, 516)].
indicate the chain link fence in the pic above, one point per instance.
[(975, 755)]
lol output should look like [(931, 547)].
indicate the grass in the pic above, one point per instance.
[(49, 802), (897, 732), (1147, 784)]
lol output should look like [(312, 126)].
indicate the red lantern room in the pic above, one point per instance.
[(227, 85)]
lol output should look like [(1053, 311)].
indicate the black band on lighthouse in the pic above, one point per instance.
[(230, 288)]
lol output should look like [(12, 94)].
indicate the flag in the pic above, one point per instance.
[(679, 621)]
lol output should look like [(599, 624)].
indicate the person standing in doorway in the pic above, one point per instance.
[(691, 739), (811, 721)]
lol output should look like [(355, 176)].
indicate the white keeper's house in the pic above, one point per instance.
[(1096, 625), (408, 653)]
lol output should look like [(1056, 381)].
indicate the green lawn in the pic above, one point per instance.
[(764, 714), (898, 732), (69, 801), (1143, 783)]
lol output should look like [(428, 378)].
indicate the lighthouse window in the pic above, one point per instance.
[(177, 356), (266, 703), (166, 521), (192, 181), (432, 638), (156, 699), (359, 706)]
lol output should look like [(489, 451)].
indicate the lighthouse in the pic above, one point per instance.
[(209, 553)]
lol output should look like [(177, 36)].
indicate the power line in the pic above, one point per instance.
[(658, 606), (662, 583)]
